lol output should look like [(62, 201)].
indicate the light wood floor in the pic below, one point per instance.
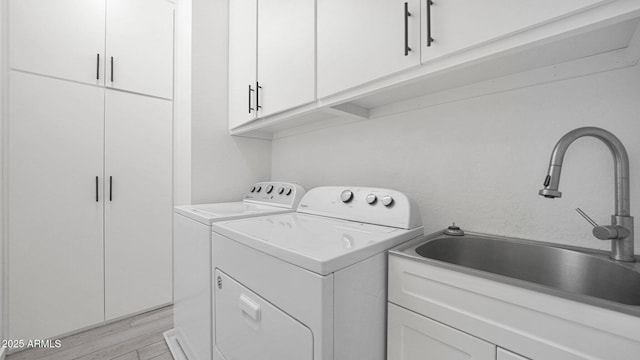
[(134, 338)]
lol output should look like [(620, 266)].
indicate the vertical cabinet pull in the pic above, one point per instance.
[(97, 66), (406, 29), (110, 188), (112, 69), (429, 38), (97, 199), (258, 87), (250, 91)]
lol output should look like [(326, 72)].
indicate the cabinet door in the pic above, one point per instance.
[(140, 46), (138, 203), (243, 37), (55, 209), (62, 38), (415, 337), (508, 355), (363, 40), (286, 54), (460, 24)]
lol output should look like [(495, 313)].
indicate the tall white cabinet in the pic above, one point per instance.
[(138, 203), (55, 206), (90, 162)]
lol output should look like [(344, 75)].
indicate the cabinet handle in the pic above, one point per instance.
[(429, 38), (258, 87), (97, 66), (406, 29), (112, 69), (97, 189), (250, 91), (110, 188)]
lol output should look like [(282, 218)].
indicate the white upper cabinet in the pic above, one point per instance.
[(243, 38), (286, 54), (458, 24), (139, 46), (271, 57), (67, 38), (363, 40), (62, 38)]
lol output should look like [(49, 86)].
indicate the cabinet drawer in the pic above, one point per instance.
[(415, 337)]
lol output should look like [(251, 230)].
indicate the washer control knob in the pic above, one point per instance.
[(253, 189), (289, 191), (269, 189), (371, 199), (346, 196), (258, 188), (280, 190), (387, 200)]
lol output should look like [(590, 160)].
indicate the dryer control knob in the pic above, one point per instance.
[(258, 188), (387, 200), (371, 199), (346, 196), (289, 192), (253, 189), (280, 190), (269, 189)]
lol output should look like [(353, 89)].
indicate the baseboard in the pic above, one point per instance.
[(176, 349)]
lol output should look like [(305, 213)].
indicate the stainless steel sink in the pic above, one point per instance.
[(571, 271)]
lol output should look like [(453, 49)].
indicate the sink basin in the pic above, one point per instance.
[(563, 269)]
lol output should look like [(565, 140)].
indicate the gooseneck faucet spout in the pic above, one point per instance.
[(621, 229)]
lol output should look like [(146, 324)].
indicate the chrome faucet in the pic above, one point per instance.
[(620, 232)]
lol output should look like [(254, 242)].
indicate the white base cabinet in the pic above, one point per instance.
[(415, 337), (427, 302)]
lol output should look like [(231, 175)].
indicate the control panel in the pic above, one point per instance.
[(369, 205), (275, 193)]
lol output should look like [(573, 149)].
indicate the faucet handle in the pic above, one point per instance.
[(586, 217), (600, 232)]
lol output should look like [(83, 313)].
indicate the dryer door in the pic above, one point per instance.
[(247, 327)]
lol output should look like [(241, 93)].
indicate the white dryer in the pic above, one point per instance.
[(191, 335), (310, 284)]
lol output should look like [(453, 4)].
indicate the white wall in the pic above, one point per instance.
[(222, 167), (3, 114), (480, 162)]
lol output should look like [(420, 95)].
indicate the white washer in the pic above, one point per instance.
[(310, 284), (192, 333)]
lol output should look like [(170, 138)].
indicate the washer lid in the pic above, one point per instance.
[(210, 213), (316, 243)]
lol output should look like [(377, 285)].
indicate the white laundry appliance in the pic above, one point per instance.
[(190, 338), (310, 284)]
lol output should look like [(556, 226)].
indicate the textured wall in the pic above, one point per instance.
[(222, 167), (480, 162)]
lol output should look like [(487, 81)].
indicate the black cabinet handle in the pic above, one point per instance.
[(97, 66), (112, 69), (406, 29), (250, 91), (97, 199), (258, 87), (429, 38), (110, 188)]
